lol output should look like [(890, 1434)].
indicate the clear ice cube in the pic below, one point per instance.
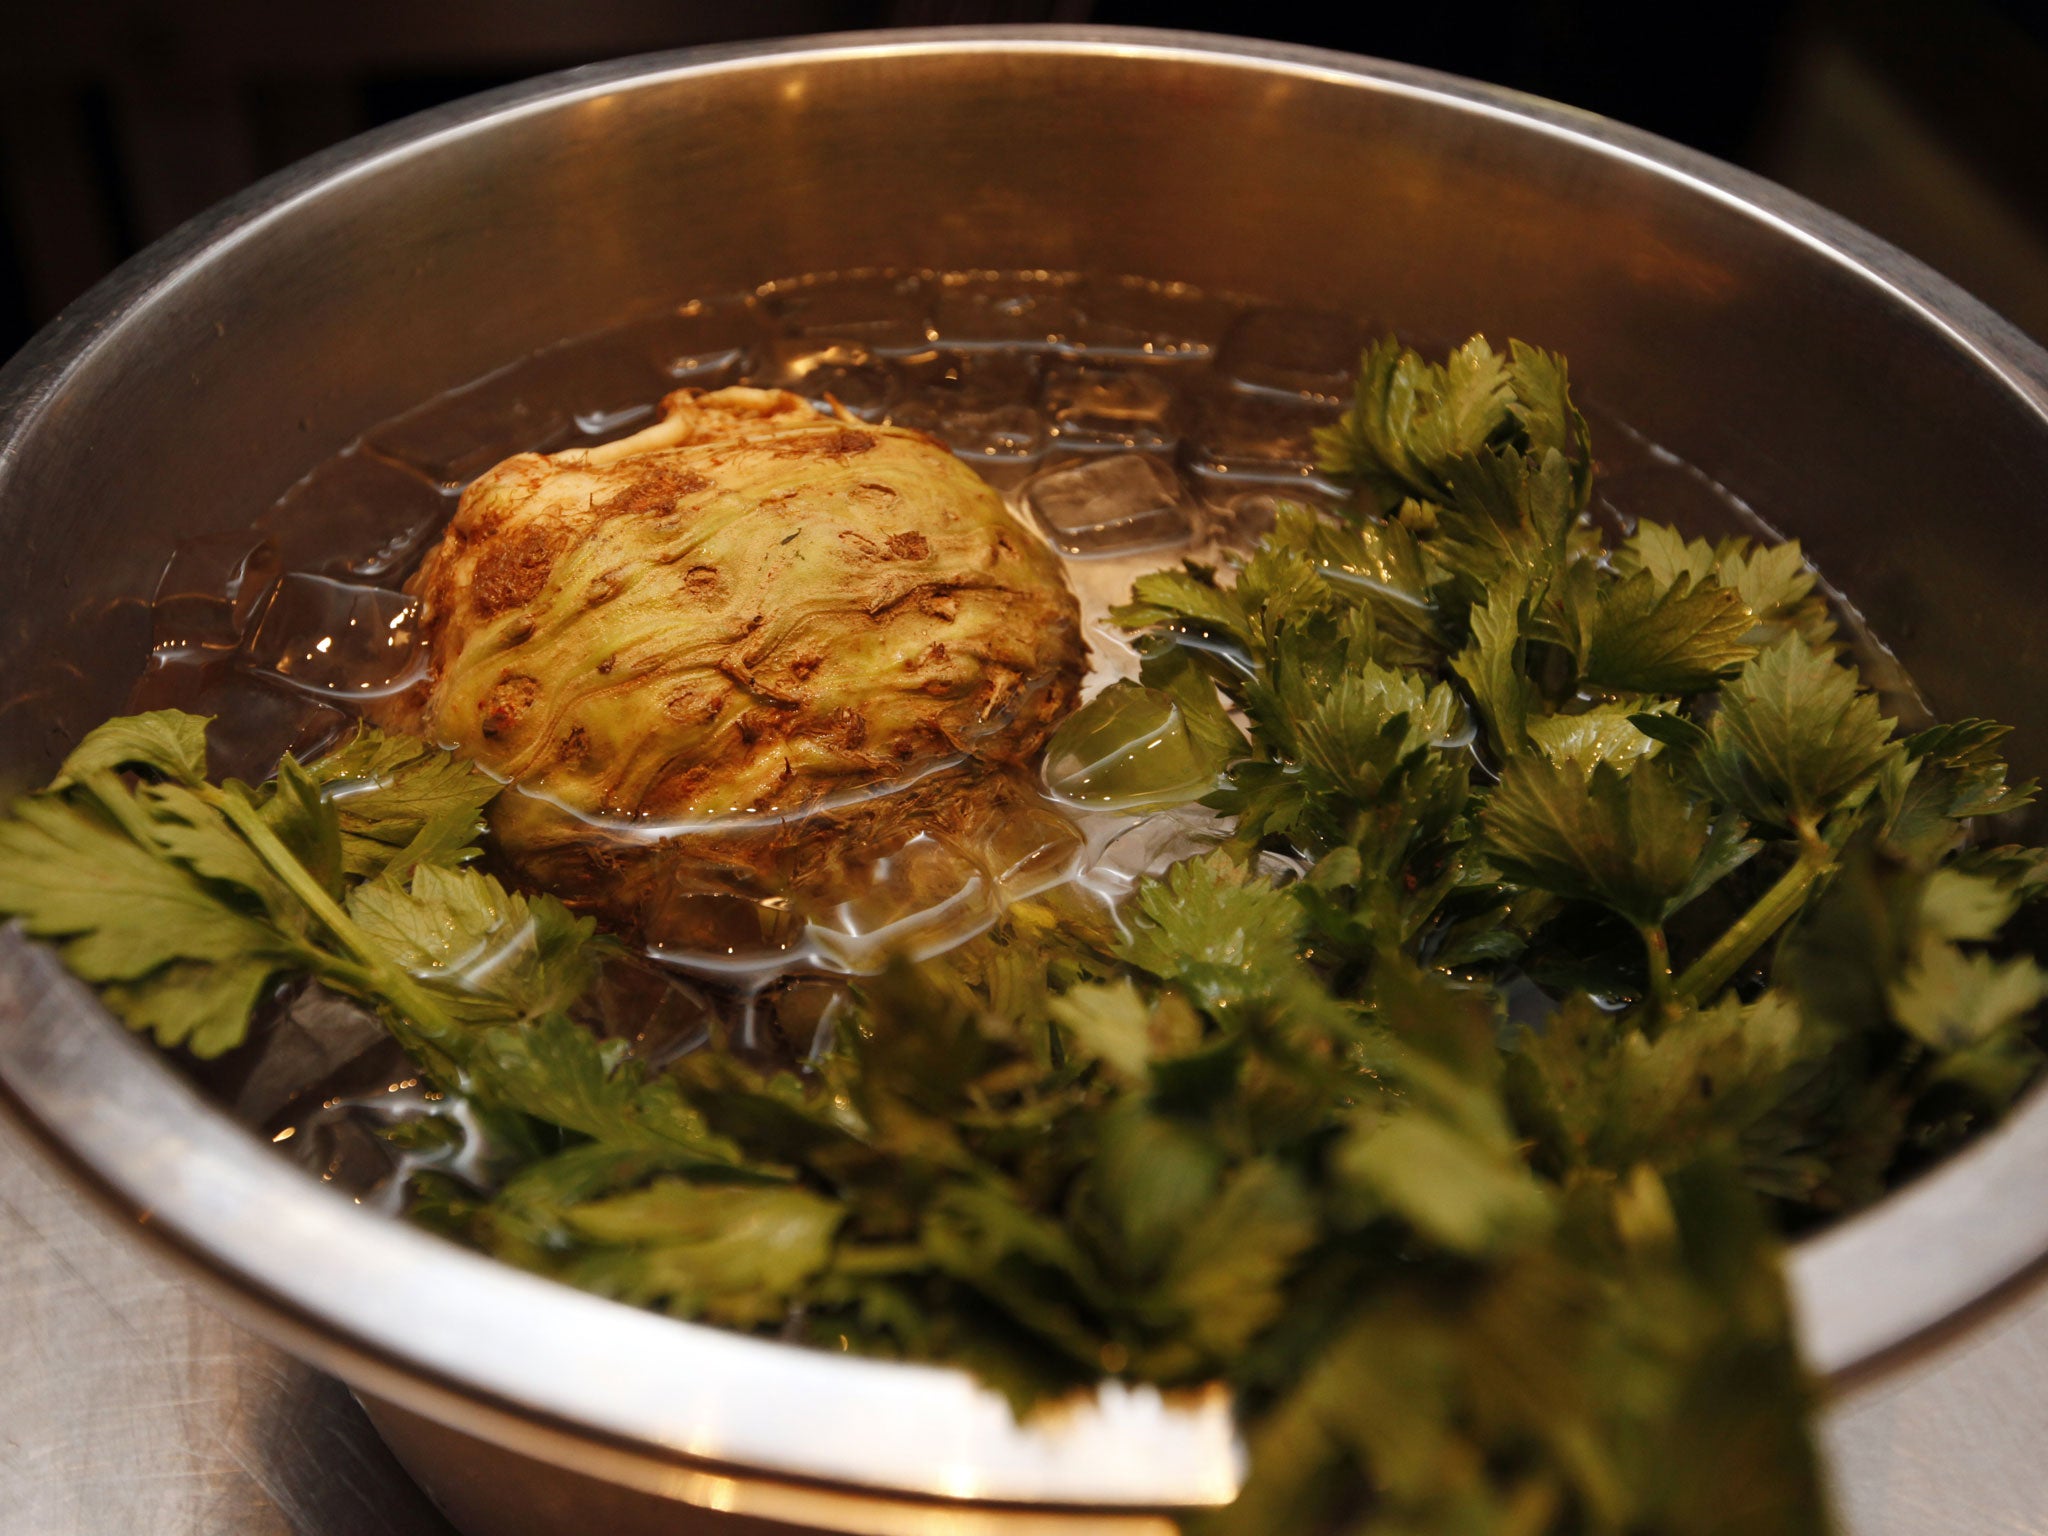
[(64, 676), (1250, 435), (455, 437), (1640, 478), (699, 345), (839, 373), (368, 1143), (979, 405), (211, 587), (1110, 504), (742, 940), (659, 1015), (884, 312), (340, 639), (1004, 309), (1000, 432), (1241, 515), (799, 1020), (347, 1149), (1292, 352), (1162, 322), (359, 514), (606, 385), (592, 387), (1114, 407), (914, 900), (254, 722), (1030, 850), (314, 1036), (1128, 851)]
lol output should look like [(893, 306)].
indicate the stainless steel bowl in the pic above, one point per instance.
[(1850, 395)]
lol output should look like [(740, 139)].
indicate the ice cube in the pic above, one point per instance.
[(1003, 309), (799, 1019), (1129, 407), (358, 514), (210, 588), (339, 1096), (722, 935), (1163, 322), (340, 639), (1292, 352), (1110, 504), (988, 379), (1030, 849), (1242, 518), (887, 313), (841, 373), (1282, 868), (1241, 515), (67, 674), (346, 1148), (1010, 432), (1129, 851), (315, 1036), (254, 722), (1640, 478), (980, 406), (658, 1014), (455, 437), (592, 387), (699, 345), (370, 1146), (914, 899), (606, 384), (1247, 435)]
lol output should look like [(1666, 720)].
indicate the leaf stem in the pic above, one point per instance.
[(880, 1259), (1658, 952), (370, 969), (1713, 970)]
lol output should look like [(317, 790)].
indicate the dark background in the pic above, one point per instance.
[(1924, 120)]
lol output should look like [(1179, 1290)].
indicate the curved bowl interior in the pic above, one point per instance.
[(1849, 396)]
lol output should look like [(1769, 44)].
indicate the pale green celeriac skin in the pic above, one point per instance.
[(747, 607)]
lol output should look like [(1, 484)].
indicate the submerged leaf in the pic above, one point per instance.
[(1634, 842), (1954, 1001), (1607, 734), (1944, 777), (398, 793), (1214, 927), (1793, 738), (120, 908), (1492, 667), (738, 1253), (1132, 747), (1773, 581), (1640, 635)]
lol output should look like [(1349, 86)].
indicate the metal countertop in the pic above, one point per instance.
[(127, 1406)]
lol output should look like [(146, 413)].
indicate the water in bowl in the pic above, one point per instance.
[(1133, 423)]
